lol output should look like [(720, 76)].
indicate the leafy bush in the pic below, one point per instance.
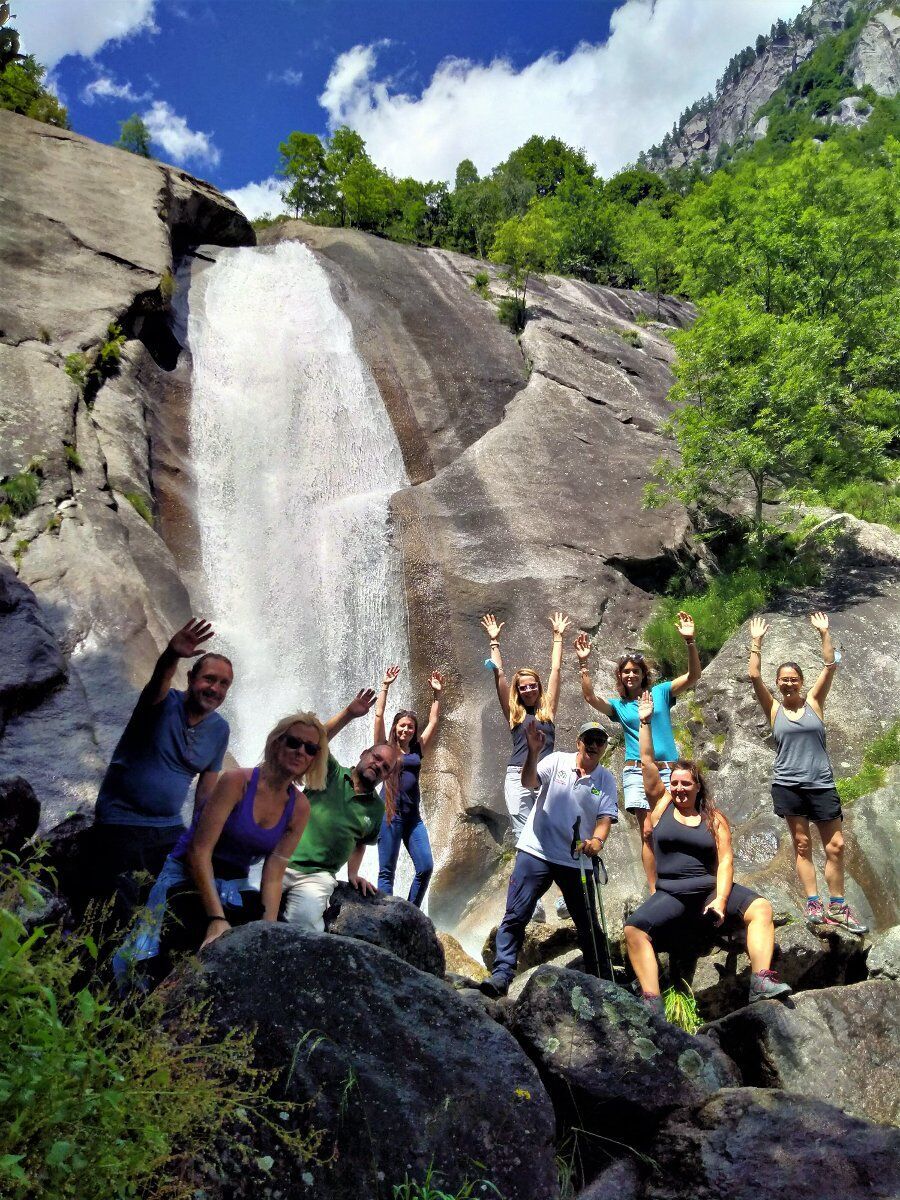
[(746, 583), (19, 493), (512, 313), (102, 1100), (869, 499), (110, 351), (140, 505), (481, 285), (884, 752), (78, 369)]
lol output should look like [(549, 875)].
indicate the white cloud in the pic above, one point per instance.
[(51, 29), (255, 199), (613, 99), (104, 87), (178, 140), (289, 76)]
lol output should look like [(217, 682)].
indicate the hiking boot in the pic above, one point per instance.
[(494, 986), (815, 913), (766, 985), (539, 917), (654, 1003), (562, 910), (840, 915)]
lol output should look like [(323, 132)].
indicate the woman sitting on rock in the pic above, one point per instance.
[(802, 781), (520, 698), (253, 815), (403, 822), (694, 876), (632, 678)]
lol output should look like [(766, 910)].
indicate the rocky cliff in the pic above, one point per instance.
[(88, 236)]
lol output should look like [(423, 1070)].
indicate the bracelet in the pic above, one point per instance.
[(689, 641), (494, 645), (833, 663), (754, 650), (210, 920), (646, 720)]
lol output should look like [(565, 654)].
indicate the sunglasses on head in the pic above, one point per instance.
[(295, 743), (631, 655)]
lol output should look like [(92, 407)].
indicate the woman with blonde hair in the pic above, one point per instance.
[(253, 815), (523, 701)]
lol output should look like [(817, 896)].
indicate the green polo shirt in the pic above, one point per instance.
[(338, 820)]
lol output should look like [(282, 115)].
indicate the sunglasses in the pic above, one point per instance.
[(593, 745), (295, 743), (631, 655)]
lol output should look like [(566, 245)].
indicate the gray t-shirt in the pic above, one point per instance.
[(801, 760)]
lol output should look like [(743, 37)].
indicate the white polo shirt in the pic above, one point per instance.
[(564, 798)]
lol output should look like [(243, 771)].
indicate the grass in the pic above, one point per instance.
[(632, 337), (84, 371), (872, 500), (167, 286), (21, 549), (681, 1009), (511, 312), (481, 285), (432, 1188), (19, 493), (139, 503), (73, 458), (884, 752), (744, 586)]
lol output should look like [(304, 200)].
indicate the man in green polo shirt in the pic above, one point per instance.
[(345, 817)]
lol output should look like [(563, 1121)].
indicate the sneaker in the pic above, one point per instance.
[(654, 1003), (494, 986), (815, 912), (840, 915), (766, 985), (562, 910), (540, 916)]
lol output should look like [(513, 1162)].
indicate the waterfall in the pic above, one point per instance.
[(296, 460)]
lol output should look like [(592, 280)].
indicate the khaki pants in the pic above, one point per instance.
[(306, 898)]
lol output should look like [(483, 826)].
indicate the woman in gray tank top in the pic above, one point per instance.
[(803, 788)]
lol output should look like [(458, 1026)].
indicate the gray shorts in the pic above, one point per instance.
[(635, 799)]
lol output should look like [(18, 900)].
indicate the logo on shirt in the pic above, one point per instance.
[(562, 775)]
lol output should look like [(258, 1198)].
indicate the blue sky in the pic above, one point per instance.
[(426, 82)]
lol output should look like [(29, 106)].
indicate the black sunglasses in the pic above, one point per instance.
[(631, 655), (592, 744), (295, 743)]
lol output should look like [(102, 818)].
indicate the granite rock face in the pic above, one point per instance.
[(88, 235), (875, 61)]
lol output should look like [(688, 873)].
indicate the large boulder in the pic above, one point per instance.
[(611, 1066), (32, 664), (456, 960), (389, 922), (544, 940), (20, 811), (838, 1045), (398, 1073), (883, 959), (744, 1143)]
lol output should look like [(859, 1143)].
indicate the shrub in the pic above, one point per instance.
[(642, 318), (167, 286), (110, 351), (19, 551), (869, 499), (78, 369), (102, 1100), (632, 337), (884, 752), (141, 506), (511, 312), (481, 285), (19, 493), (73, 458)]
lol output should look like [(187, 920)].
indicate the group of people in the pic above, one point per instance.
[(301, 816)]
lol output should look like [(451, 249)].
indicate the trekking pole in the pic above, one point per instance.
[(598, 864), (577, 844)]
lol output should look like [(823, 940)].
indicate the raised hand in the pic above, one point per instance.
[(645, 706), (758, 629), (559, 622), (361, 703), (490, 626), (436, 682), (188, 641), (534, 735), (685, 625), (390, 675), (583, 647), (819, 621)]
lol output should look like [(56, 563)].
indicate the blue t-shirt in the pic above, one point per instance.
[(153, 765), (626, 713)]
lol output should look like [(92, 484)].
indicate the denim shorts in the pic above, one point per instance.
[(633, 787)]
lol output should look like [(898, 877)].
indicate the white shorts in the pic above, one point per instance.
[(307, 897)]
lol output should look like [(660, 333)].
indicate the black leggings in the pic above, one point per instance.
[(665, 911)]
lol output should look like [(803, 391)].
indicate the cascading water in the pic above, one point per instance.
[(296, 460)]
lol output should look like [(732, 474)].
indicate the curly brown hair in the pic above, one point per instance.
[(705, 802)]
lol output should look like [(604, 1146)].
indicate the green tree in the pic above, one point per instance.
[(21, 75), (547, 161), (367, 193), (525, 246), (633, 186), (134, 136), (302, 166), (649, 244), (466, 173), (343, 148)]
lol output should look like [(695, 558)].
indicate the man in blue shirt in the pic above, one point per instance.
[(575, 808), (170, 738)]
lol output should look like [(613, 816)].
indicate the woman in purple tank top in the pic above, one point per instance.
[(253, 815)]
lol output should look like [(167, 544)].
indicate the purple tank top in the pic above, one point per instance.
[(242, 843)]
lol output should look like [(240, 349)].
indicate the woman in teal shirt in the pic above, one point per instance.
[(632, 678)]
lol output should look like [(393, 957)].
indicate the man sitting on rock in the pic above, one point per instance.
[(575, 793), (345, 817), (170, 738)]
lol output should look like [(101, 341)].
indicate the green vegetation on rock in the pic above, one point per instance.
[(141, 506), (681, 1009), (21, 80), (134, 136), (19, 493), (882, 753)]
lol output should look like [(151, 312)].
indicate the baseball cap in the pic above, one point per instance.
[(593, 727)]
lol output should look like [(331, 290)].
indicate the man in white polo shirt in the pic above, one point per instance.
[(576, 807)]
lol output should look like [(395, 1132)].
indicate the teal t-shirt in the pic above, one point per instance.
[(339, 819), (626, 713)]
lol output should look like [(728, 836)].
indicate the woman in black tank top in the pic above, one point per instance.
[(694, 876)]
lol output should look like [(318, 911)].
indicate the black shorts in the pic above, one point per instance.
[(664, 910), (816, 804)]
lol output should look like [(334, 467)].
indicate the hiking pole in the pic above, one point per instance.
[(598, 865), (576, 849)]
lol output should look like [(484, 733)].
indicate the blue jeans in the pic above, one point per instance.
[(530, 879), (411, 832)]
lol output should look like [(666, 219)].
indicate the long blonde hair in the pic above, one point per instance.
[(517, 713), (317, 771)]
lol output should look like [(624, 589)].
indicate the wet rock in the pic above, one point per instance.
[(543, 941), (744, 1143), (399, 1073), (389, 922), (838, 1045), (20, 811), (457, 961), (610, 1065), (883, 960)]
